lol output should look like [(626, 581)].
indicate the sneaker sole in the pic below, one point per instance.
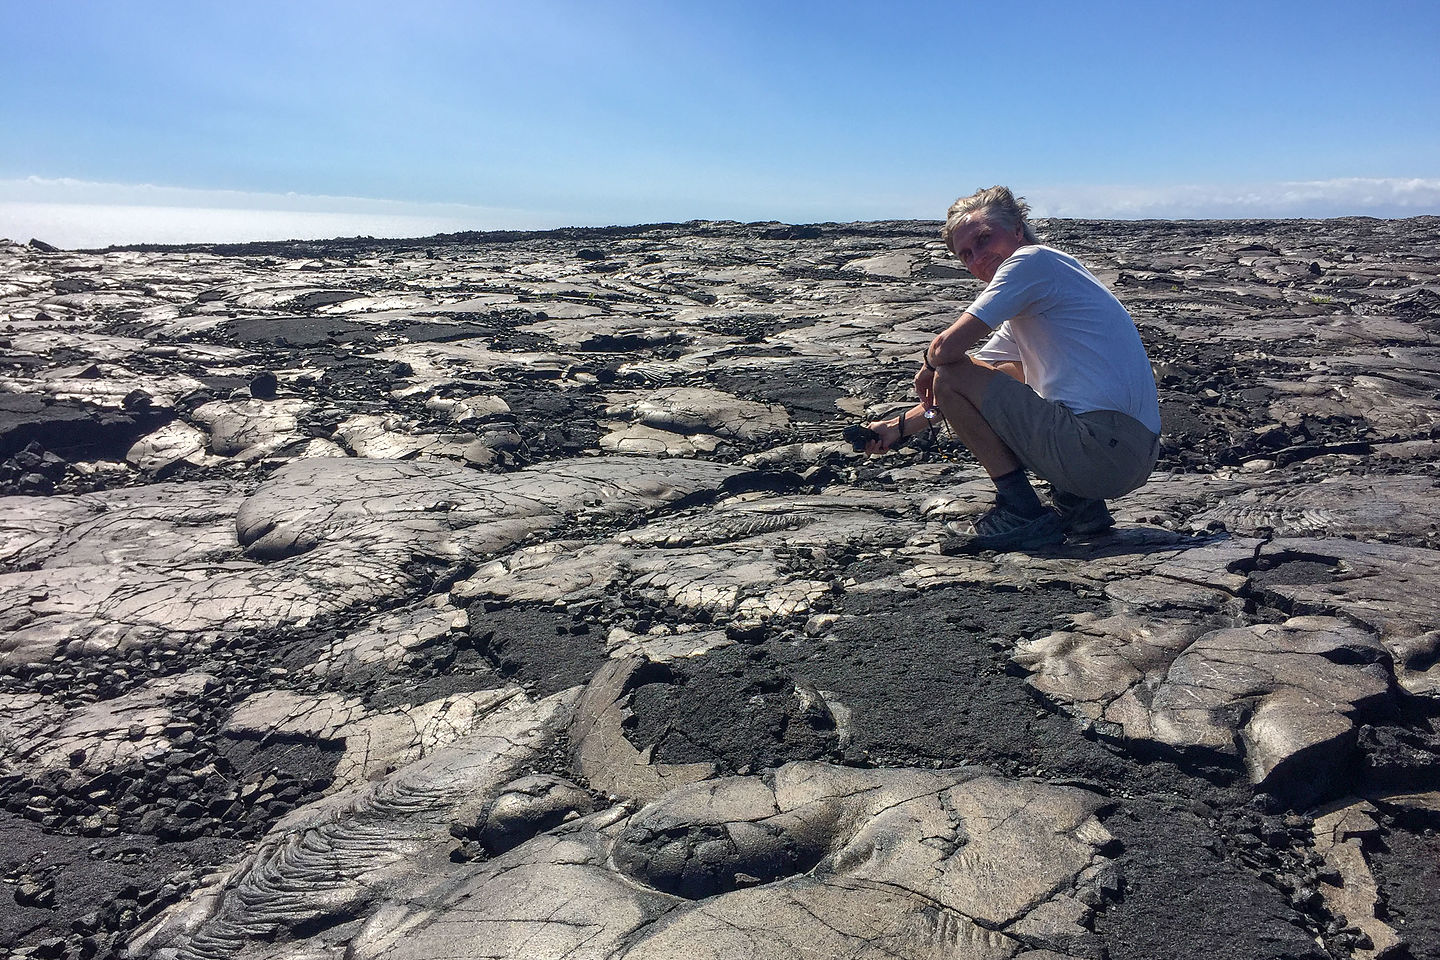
[(978, 543), (1090, 528)]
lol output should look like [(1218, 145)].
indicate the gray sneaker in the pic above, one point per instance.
[(1002, 529), (1080, 516)]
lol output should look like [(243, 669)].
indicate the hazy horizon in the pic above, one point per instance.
[(79, 225)]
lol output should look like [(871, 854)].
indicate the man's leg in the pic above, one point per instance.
[(1085, 458), (959, 392), (1011, 368), (1019, 519)]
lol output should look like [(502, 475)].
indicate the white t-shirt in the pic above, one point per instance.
[(1078, 345)]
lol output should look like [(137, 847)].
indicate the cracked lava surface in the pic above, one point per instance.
[(514, 595)]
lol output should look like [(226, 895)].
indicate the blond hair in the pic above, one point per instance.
[(1007, 209)]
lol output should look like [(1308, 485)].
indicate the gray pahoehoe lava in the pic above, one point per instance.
[(518, 596)]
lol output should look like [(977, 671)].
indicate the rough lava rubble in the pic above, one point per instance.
[(513, 595)]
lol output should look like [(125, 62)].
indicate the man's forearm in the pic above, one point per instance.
[(912, 421), (951, 345)]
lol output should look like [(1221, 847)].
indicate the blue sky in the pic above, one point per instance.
[(320, 117)]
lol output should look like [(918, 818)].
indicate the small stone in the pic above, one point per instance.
[(264, 385), (32, 894), (137, 400), (36, 483), (746, 633)]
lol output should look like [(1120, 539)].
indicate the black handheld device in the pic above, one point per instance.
[(859, 436)]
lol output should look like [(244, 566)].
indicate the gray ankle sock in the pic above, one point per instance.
[(1014, 492)]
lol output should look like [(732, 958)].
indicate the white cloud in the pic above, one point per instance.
[(1342, 197), (80, 213)]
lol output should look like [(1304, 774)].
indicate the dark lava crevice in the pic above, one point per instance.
[(737, 712), (1181, 888), (541, 647), (1407, 869), (928, 682)]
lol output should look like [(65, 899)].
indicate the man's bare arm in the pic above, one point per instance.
[(950, 345)]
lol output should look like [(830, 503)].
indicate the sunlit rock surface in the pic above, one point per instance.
[(319, 537), (824, 860), (517, 596), (339, 857)]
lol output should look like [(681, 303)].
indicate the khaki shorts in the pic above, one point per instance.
[(1097, 455)]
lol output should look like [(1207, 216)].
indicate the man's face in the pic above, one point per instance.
[(982, 244)]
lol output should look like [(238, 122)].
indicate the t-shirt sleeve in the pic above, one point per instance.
[(1020, 283), (1000, 348)]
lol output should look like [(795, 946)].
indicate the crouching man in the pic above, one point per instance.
[(1062, 389)]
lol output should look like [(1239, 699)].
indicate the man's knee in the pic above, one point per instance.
[(966, 379)]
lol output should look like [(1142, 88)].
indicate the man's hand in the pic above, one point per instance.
[(887, 435)]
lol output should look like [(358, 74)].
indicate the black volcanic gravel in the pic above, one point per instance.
[(1408, 870)]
